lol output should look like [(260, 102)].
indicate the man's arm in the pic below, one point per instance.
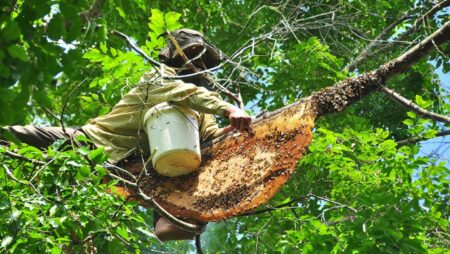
[(201, 100), (239, 120), (209, 129)]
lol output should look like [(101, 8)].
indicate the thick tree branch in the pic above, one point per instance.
[(414, 107), (349, 91)]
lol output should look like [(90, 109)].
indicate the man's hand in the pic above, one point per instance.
[(239, 120)]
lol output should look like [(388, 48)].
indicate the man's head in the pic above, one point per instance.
[(194, 46)]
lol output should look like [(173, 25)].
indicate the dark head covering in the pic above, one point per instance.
[(192, 43)]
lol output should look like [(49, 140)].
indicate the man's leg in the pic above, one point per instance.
[(167, 231), (42, 137)]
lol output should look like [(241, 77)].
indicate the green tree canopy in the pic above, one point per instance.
[(362, 188)]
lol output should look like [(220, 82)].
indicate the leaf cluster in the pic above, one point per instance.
[(64, 204)]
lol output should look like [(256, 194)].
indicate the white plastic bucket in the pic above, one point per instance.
[(173, 132)]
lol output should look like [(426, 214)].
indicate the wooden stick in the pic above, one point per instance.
[(414, 107)]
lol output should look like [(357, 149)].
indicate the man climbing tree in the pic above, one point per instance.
[(121, 131)]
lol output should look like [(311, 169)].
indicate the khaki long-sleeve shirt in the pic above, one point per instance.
[(121, 131)]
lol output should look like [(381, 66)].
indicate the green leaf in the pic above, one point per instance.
[(430, 133), (115, 246), (411, 114), (388, 145), (423, 103), (68, 9), (103, 47), (171, 20), (85, 170), (11, 31), (18, 52), (2, 54), (121, 12), (36, 235), (100, 170), (397, 235), (56, 250), (157, 21), (113, 52), (75, 29), (123, 233), (408, 122), (94, 55), (97, 154), (56, 27)]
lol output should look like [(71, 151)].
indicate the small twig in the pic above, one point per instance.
[(273, 208), (94, 234), (123, 180), (414, 107), (144, 164), (48, 111), (23, 158), (402, 36), (442, 4), (10, 174), (414, 140), (368, 48), (197, 57), (93, 12), (27, 183), (110, 166), (152, 61), (66, 101), (43, 167), (332, 201), (239, 96)]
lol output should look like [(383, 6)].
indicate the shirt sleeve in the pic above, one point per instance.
[(189, 95), (209, 128)]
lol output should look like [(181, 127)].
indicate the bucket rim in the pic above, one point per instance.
[(158, 109)]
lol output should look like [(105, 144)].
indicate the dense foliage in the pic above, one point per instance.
[(357, 190)]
